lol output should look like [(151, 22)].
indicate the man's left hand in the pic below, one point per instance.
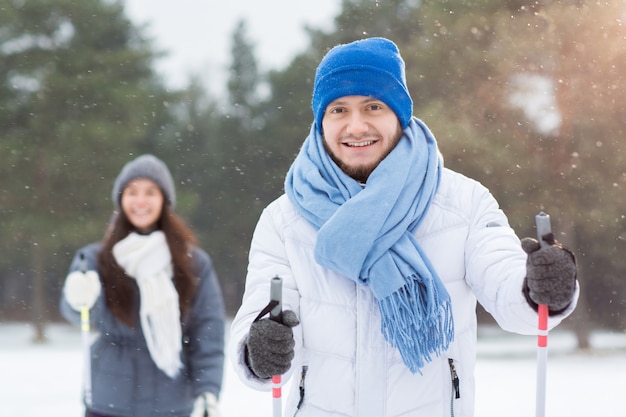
[(550, 274)]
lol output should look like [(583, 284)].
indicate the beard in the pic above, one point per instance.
[(361, 173)]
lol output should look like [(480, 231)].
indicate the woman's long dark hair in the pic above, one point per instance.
[(120, 290)]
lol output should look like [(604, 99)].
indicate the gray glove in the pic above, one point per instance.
[(550, 274), (270, 345)]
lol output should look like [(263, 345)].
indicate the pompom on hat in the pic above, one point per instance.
[(149, 167), (369, 67)]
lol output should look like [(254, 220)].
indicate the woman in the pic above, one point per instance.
[(156, 302)]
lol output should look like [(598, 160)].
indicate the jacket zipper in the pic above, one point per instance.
[(305, 368), (456, 391)]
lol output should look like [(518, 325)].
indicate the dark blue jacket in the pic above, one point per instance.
[(125, 380)]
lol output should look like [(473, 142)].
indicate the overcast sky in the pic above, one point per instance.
[(197, 33)]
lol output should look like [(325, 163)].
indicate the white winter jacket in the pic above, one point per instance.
[(343, 365)]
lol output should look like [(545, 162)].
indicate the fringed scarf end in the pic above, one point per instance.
[(417, 321)]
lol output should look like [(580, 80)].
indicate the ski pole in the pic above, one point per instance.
[(85, 330), (542, 220), (276, 314)]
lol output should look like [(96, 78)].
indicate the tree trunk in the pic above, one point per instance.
[(39, 294), (38, 258), (579, 321)]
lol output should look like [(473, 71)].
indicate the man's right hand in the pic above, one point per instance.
[(270, 345), (82, 289)]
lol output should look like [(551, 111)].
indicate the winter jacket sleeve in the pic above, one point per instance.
[(268, 259), (496, 267), (204, 335)]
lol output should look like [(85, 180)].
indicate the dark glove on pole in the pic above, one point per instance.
[(270, 345), (550, 274)]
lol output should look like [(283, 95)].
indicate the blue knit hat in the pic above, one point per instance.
[(369, 67), (149, 167)]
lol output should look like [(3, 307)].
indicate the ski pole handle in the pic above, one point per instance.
[(82, 263), (542, 220), (276, 314), (276, 295)]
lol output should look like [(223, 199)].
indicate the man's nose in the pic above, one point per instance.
[(357, 124)]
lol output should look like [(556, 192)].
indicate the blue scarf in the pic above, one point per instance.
[(366, 234)]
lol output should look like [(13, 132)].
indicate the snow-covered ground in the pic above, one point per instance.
[(44, 380)]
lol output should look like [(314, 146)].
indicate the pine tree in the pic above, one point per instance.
[(77, 98)]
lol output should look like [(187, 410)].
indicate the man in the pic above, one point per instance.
[(383, 253)]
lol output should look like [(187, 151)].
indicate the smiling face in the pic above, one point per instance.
[(142, 203), (359, 132)]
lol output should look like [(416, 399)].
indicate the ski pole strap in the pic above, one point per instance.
[(266, 310)]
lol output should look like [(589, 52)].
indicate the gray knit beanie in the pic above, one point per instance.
[(149, 167)]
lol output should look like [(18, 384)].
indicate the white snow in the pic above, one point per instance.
[(45, 379)]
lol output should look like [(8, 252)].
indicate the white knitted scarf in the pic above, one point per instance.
[(147, 259)]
